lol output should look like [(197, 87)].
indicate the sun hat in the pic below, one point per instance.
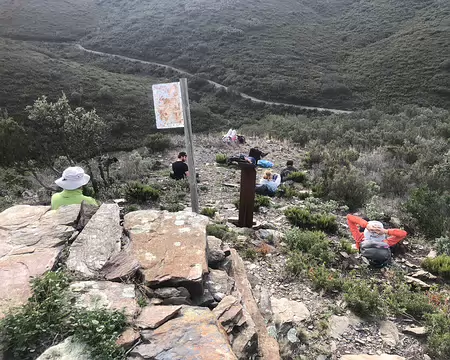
[(372, 236), (73, 178)]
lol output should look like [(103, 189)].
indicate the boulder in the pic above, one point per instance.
[(152, 317), (105, 294), (193, 335), (67, 350), (287, 311), (122, 266), (338, 325), (170, 247), (128, 338), (389, 333), (219, 284), (416, 331), (97, 243), (372, 357), (229, 312), (215, 253)]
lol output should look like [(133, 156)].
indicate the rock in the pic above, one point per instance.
[(226, 265), (173, 296), (30, 243), (267, 345), (128, 338), (214, 251), (389, 333), (67, 350), (372, 357), (229, 312), (193, 335), (417, 331), (264, 304), (270, 236), (423, 275), (152, 317), (206, 300), (288, 311), (245, 338), (219, 284), (105, 294), (226, 249), (171, 247), (338, 325), (417, 283), (432, 254), (122, 266), (86, 213), (396, 223), (97, 243)]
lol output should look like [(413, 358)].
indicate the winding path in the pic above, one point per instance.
[(217, 85)]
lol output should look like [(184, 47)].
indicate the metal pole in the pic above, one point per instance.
[(247, 196), (189, 144)]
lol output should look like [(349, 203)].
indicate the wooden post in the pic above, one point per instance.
[(189, 144), (247, 196)]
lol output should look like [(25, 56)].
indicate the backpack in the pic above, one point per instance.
[(377, 253)]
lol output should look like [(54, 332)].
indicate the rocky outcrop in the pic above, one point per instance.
[(194, 335), (170, 247), (31, 238), (105, 294), (97, 243), (67, 350)]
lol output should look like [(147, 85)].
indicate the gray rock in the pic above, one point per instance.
[(245, 338), (226, 265), (171, 292), (288, 312), (206, 300), (219, 284), (264, 304), (229, 312), (97, 243), (292, 335), (214, 252), (67, 350), (338, 325), (152, 317), (389, 333), (86, 213), (416, 331), (122, 266)]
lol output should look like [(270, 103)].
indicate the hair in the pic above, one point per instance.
[(268, 175), (289, 163), (181, 154)]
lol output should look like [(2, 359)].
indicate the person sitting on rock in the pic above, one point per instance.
[(180, 168), (268, 184), (72, 181), (286, 171), (375, 242)]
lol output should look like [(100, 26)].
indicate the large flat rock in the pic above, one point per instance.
[(97, 243), (31, 238), (107, 295), (170, 247), (194, 335)]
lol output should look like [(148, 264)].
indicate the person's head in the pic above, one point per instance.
[(73, 178), (289, 163), (268, 175), (182, 156), (376, 232)]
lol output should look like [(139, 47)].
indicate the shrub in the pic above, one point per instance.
[(218, 230), (325, 279), (209, 212), (313, 243), (347, 247), (221, 158), (304, 219), (402, 301), (438, 343), (158, 142), (249, 254), (363, 298), (140, 193), (443, 245), (260, 200), (297, 176), (297, 262), (440, 265)]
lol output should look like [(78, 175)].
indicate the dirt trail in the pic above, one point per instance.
[(217, 85)]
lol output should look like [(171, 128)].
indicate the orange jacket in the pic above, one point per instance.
[(395, 235)]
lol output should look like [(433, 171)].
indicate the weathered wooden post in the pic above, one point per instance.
[(247, 196)]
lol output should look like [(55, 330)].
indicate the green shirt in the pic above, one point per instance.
[(70, 197)]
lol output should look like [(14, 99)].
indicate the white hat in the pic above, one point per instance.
[(73, 178), (372, 236)]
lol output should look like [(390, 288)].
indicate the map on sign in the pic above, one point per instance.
[(168, 108)]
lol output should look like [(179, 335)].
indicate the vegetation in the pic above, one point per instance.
[(304, 219), (210, 212), (443, 245), (363, 298), (438, 342), (221, 158), (313, 243), (297, 176), (140, 193), (260, 201), (49, 317), (158, 142), (440, 265)]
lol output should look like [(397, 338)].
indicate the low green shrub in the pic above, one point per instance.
[(438, 342), (402, 301), (313, 243), (140, 193), (325, 279), (221, 158), (49, 317), (209, 212), (260, 200), (158, 142), (298, 177), (249, 254), (346, 246), (443, 245), (363, 298), (289, 192), (298, 262), (305, 220), (440, 265)]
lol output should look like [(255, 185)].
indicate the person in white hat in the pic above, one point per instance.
[(72, 181)]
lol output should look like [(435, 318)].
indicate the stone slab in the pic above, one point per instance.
[(194, 335), (67, 350), (170, 247), (288, 311), (97, 243), (152, 317)]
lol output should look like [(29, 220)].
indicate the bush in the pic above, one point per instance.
[(297, 176), (49, 317), (313, 243), (305, 220), (221, 158), (325, 279), (438, 343), (260, 200), (346, 246), (298, 262), (158, 142), (402, 301), (440, 265), (363, 298), (443, 245), (209, 212), (140, 193), (221, 232)]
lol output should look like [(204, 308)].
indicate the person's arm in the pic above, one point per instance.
[(353, 222), (186, 170), (395, 236)]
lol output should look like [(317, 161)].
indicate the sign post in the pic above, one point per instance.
[(247, 195)]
